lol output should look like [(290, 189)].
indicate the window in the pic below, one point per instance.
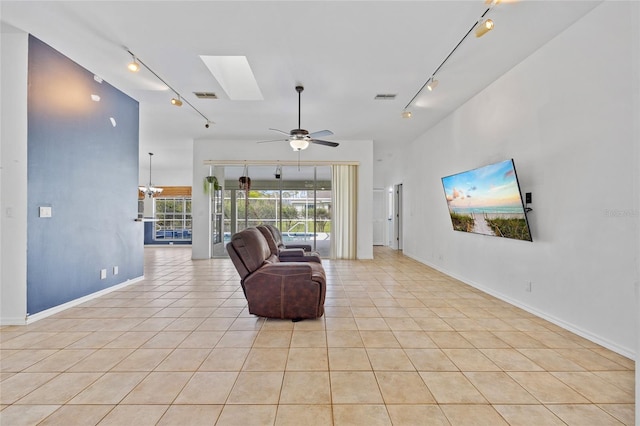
[(173, 219)]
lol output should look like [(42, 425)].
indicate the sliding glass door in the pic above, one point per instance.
[(306, 202), (297, 200)]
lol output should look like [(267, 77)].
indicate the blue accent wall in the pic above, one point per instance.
[(86, 170)]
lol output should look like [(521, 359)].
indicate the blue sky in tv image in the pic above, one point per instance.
[(489, 189)]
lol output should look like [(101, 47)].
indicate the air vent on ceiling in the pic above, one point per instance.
[(205, 95), (385, 96)]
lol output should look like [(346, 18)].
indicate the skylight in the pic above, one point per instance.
[(235, 76)]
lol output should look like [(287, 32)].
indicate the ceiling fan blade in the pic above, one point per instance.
[(273, 140), (326, 143), (320, 133), (281, 131)]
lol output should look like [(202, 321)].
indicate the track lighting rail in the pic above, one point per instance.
[(180, 97), (433, 74)]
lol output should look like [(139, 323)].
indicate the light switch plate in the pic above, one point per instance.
[(45, 211)]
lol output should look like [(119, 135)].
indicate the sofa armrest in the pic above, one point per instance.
[(308, 257), (287, 290), (283, 270), (290, 252), (305, 247)]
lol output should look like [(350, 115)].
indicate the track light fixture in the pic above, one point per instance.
[(481, 26), (174, 101), (484, 27), (133, 65)]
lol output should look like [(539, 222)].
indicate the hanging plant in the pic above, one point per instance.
[(211, 182), (244, 182)]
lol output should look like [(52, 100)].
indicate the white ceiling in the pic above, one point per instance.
[(343, 52)]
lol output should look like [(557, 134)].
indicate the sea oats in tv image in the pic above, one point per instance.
[(487, 201)]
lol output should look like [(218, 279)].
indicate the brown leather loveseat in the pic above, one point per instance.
[(275, 289), (289, 252)]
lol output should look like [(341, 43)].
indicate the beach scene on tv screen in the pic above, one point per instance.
[(487, 201)]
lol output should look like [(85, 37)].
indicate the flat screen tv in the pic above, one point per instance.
[(487, 201)]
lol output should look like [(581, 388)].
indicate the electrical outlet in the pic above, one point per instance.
[(103, 274), (115, 270), (528, 287)]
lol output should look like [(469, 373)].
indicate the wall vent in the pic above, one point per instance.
[(385, 96), (205, 95)]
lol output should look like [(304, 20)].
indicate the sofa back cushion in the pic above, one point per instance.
[(277, 235), (249, 250), (268, 235)]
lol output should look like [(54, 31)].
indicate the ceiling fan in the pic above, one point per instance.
[(299, 138)]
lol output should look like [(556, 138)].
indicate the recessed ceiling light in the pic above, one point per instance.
[(235, 76)]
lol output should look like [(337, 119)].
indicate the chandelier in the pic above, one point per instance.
[(150, 190)]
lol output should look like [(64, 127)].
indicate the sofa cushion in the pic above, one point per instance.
[(252, 249), (268, 235)]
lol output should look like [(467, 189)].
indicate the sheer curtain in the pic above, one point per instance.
[(345, 206)]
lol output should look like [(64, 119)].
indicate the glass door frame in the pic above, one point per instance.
[(231, 190)]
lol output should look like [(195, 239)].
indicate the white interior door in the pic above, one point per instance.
[(396, 242)]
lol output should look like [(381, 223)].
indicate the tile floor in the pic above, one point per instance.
[(400, 344)]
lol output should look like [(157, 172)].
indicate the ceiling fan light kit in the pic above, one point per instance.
[(299, 139), (299, 144)]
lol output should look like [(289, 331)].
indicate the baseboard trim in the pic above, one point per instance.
[(13, 321), (627, 352), (56, 309)]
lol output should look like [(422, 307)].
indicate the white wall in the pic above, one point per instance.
[(388, 166), (635, 64), (13, 177), (212, 150), (567, 115), (165, 176)]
